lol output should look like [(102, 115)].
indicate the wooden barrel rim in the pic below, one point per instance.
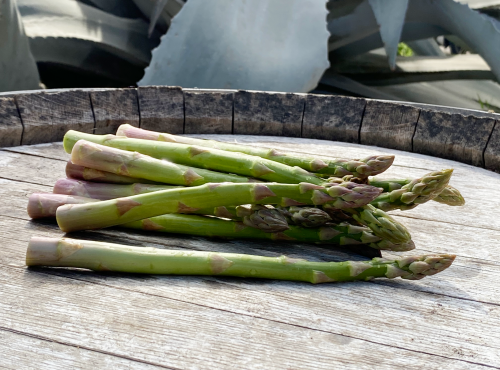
[(468, 136)]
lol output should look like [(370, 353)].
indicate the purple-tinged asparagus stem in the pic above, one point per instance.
[(104, 191), (74, 171), (42, 205), (123, 162)]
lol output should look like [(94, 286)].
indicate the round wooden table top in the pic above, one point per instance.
[(54, 318)]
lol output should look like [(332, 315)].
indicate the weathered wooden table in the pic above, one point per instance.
[(63, 318)]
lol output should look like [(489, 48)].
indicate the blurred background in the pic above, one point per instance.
[(443, 52)]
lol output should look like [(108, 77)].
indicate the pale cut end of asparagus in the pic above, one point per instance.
[(450, 196), (42, 205)]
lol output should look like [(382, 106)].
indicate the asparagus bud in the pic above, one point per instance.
[(308, 216), (265, 219), (450, 196), (381, 224), (416, 192), (99, 256)]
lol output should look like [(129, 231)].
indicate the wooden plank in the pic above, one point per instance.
[(408, 321), (492, 152), (11, 127), (333, 118), (161, 108), (113, 108), (47, 116), (25, 351), (263, 113), (208, 112), (388, 125), (175, 334), (453, 136)]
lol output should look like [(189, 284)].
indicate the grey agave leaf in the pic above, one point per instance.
[(120, 8), (278, 45), (390, 16), (427, 47), (73, 34), (425, 18), (18, 69), (160, 14)]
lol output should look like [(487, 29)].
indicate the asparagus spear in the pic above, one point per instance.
[(341, 234), (202, 157), (449, 195), (45, 205), (76, 172), (127, 163), (418, 191), (369, 166), (103, 191), (118, 211), (99, 256)]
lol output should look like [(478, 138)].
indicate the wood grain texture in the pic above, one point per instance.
[(47, 116), (492, 152), (161, 108), (262, 113), (388, 125), (453, 136), (113, 108), (208, 112), (335, 118), (24, 351), (443, 321), (11, 127)]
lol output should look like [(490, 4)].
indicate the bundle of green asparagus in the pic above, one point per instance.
[(160, 182)]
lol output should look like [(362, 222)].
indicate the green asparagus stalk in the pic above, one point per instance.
[(344, 234), (449, 195), (122, 210), (76, 172), (99, 256), (369, 166), (138, 165), (201, 157), (418, 191), (103, 191)]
